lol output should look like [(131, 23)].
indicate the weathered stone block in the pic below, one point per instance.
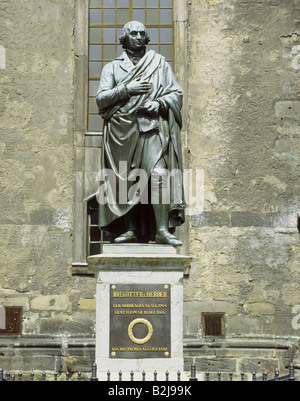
[(247, 219), (260, 365), (87, 303), (211, 219), (215, 364), (241, 324), (65, 326), (50, 302), (15, 300), (260, 308), (290, 109)]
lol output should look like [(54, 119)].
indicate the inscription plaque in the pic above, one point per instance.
[(140, 321)]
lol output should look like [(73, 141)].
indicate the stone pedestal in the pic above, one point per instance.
[(139, 322)]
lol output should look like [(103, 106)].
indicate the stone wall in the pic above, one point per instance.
[(242, 127), (244, 133), (37, 179)]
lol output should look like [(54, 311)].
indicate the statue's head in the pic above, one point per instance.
[(134, 36)]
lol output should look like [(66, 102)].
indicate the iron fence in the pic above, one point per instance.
[(193, 376)]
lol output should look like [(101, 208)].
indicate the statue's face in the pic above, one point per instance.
[(136, 36)]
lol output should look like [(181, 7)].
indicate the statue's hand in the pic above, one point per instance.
[(152, 108), (138, 87)]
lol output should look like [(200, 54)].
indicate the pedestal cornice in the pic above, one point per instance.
[(138, 258)]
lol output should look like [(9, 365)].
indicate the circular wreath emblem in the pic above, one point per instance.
[(140, 340)]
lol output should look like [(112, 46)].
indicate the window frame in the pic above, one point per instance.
[(13, 321)]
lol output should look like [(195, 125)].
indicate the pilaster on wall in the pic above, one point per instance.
[(181, 73), (181, 51), (80, 124)]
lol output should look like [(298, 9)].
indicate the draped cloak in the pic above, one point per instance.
[(124, 142)]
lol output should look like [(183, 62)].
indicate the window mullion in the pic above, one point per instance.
[(130, 10)]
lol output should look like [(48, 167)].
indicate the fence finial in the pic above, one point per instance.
[(292, 372), (207, 376), (94, 373), (193, 377)]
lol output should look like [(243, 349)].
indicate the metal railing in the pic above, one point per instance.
[(92, 376)]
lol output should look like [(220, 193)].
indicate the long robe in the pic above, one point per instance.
[(124, 141)]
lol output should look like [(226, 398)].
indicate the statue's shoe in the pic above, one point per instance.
[(126, 238), (167, 238)]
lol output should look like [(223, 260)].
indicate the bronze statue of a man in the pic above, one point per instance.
[(140, 102)]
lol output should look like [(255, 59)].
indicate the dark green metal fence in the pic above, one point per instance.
[(193, 376)]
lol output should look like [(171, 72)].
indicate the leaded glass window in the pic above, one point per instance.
[(106, 20), (95, 237)]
